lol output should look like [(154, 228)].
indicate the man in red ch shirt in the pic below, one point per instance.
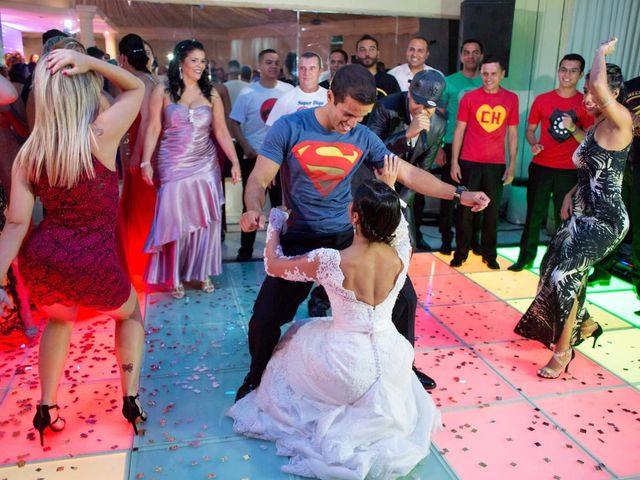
[(562, 120), (486, 116)]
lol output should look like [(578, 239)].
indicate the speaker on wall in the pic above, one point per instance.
[(491, 22)]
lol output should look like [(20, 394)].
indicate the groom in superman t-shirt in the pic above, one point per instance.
[(316, 152)]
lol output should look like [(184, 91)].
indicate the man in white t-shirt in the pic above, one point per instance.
[(307, 94), (417, 55), (249, 124), (235, 84)]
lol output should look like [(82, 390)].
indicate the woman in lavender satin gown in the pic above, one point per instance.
[(184, 241)]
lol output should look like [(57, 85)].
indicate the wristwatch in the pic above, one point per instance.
[(457, 195)]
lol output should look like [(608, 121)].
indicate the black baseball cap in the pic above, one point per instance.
[(426, 88)]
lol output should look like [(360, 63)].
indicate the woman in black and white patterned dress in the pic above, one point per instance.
[(595, 221)]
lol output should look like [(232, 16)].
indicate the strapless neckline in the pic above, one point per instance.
[(188, 108)]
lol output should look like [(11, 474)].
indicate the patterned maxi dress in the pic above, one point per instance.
[(598, 224)]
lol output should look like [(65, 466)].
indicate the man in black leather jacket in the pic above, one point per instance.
[(411, 127)]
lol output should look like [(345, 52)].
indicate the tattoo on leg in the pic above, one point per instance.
[(127, 367)]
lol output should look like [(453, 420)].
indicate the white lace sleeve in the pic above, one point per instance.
[(328, 272), (301, 268), (401, 241)]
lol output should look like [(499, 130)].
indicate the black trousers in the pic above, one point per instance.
[(279, 299), (544, 183), (446, 221), (247, 239), (486, 177)]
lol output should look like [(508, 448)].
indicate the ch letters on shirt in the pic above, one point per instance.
[(490, 119)]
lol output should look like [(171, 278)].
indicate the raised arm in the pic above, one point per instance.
[(618, 116), (116, 120)]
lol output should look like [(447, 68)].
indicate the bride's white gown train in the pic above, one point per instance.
[(338, 395)]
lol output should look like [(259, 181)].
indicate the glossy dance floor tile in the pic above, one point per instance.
[(501, 420), (506, 285), (449, 289), (511, 441), (479, 322), (97, 467), (464, 380), (432, 333), (623, 304), (603, 422)]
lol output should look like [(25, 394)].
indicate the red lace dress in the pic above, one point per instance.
[(70, 257)]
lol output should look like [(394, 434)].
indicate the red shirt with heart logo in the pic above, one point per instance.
[(487, 117)]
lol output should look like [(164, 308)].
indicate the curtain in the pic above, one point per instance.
[(596, 20)]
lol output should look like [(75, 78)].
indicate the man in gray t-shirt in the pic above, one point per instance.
[(249, 124)]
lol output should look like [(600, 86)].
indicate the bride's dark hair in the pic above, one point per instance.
[(378, 207), (615, 80)]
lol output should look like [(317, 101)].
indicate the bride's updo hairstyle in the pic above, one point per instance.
[(378, 207), (615, 81)]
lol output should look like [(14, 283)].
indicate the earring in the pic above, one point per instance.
[(180, 70)]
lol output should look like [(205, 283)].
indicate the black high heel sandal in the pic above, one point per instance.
[(595, 335), (42, 420), (132, 410)]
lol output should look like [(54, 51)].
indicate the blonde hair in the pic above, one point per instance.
[(60, 143)]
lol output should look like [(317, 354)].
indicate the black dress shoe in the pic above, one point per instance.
[(243, 257), (456, 261), (492, 263), (246, 388), (425, 380), (519, 266), (422, 245), (446, 249)]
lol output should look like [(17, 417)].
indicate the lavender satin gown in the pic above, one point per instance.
[(184, 241)]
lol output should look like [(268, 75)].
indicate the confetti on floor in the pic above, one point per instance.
[(501, 420)]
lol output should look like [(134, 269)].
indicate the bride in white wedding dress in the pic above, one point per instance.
[(338, 395)]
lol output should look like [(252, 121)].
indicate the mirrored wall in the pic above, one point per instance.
[(240, 33)]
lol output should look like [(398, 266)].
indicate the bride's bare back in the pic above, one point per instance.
[(370, 271)]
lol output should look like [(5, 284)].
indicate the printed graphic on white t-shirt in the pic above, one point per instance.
[(296, 100)]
